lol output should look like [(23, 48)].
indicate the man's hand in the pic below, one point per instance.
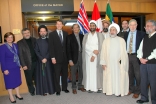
[(6, 72), (71, 63), (54, 61), (44, 60), (96, 52), (143, 61), (92, 59), (25, 68), (104, 67)]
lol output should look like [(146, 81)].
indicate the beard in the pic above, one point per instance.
[(43, 36), (113, 35), (92, 29), (105, 29), (148, 32)]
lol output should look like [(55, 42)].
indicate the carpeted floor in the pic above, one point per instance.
[(70, 98)]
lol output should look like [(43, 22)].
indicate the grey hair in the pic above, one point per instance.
[(132, 20), (152, 21)]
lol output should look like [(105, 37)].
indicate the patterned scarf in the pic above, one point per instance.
[(16, 58)]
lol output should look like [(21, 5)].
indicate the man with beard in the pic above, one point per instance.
[(105, 24), (28, 58), (125, 28), (92, 70), (147, 56), (114, 60), (44, 72)]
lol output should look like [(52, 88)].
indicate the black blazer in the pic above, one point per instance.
[(139, 36), (73, 47), (24, 52), (56, 48)]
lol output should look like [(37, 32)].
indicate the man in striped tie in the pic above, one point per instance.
[(133, 39)]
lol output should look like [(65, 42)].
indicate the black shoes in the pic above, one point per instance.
[(66, 91), (90, 91), (99, 91), (57, 93), (141, 101), (12, 101), (18, 97), (32, 93)]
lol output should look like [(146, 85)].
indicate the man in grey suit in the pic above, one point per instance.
[(28, 58), (74, 53)]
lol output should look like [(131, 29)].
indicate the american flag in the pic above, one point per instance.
[(83, 19)]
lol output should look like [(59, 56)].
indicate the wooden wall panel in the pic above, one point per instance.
[(5, 17), (15, 17), (119, 6)]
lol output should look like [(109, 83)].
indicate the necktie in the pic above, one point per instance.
[(60, 36), (131, 43)]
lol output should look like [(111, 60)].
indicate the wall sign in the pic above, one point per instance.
[(47, 5)]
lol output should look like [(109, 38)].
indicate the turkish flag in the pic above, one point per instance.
[(96, 16)]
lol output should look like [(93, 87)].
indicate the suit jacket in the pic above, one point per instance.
[(56, 48), (73, 47), (24, 52), (139, 36)]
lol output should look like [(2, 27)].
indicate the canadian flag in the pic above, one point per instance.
[(96, 16)]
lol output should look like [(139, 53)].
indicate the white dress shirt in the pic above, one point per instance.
[(140, 53)]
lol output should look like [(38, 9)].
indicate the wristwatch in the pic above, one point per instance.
[(146, 58)]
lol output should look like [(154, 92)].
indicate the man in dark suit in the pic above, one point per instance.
[(57, 47), (125, 28), (28, 58), (74, 53), (133, 39)]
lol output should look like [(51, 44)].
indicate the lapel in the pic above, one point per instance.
[(126, 36), (137, 40), (81, 38), (64, 37), (25, 44), (74, 39)]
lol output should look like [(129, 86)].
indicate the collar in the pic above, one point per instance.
[(43, 37), (134, 32), (152, 33), (58, 30), (126, 30)]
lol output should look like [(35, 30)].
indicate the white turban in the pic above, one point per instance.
[(93, 21), (116, 26)]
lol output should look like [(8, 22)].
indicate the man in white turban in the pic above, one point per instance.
[(92, 70), (114, 60)]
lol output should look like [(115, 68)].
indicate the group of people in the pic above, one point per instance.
[(112, 62)]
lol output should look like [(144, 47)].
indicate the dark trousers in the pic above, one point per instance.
[(148, 77), (60, 69), (77, 66), (134, 74), (30, 76)]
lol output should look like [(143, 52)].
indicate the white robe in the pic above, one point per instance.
[(91, 67), (115, 76)]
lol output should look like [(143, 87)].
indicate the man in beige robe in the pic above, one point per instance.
[(92, 70), (114, 60)]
